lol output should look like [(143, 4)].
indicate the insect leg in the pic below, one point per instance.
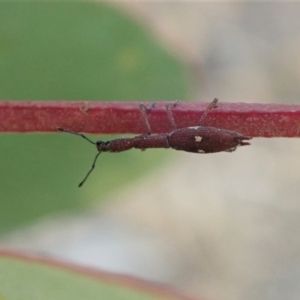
[(144, 110), (169, 107), (212, 105)]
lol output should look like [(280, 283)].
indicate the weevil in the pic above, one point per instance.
[(195, 139)]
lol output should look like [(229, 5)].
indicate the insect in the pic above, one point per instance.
[(195, 139)]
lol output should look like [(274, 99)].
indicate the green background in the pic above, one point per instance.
[(74, 51)]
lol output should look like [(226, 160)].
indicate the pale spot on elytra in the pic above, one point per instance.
[(201, 151), (198, 138)]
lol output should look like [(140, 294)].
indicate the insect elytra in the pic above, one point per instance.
[(195, 139)]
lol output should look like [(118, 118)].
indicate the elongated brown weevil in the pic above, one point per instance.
[(196, 139)]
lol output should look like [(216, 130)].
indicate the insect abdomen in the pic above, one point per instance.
[(205, 139)]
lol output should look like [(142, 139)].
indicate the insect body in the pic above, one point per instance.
[(197, 139)]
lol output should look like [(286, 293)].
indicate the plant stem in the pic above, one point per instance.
[(256, 120)]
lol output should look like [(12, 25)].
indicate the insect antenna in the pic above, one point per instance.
[(90, 171), (76, 133), (94, 162)]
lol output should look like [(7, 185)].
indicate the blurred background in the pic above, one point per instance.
[(220, 226)]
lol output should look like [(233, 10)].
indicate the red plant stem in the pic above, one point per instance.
[(256, 120), (125, 281)]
